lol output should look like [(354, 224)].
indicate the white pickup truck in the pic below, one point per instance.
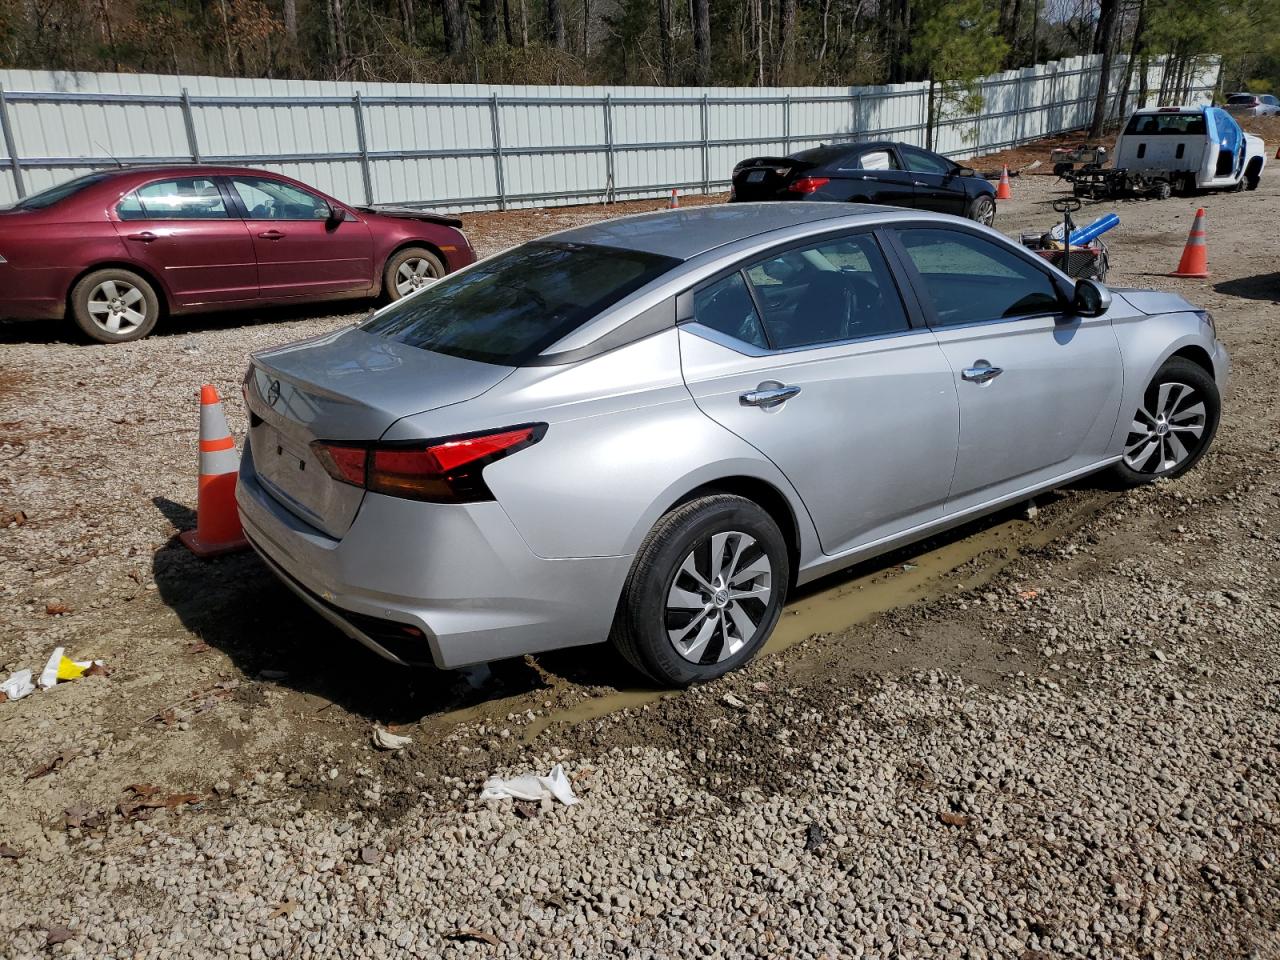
[(1189, 148)]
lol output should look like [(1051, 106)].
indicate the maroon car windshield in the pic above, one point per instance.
[(515, 305)]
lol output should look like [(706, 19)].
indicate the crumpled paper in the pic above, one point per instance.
[(530, 786), (18, 685)]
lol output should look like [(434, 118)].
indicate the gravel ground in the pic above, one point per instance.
[(1049, 734)]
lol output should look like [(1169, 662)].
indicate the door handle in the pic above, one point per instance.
[(272, 235), (917, 183), (981, 374), (146, 236), (768, 394)]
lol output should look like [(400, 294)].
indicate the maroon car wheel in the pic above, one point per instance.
[(409, 271), (114, 306)]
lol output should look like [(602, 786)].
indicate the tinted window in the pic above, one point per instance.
[(832, 291), (512, 306), (726, 306), (183, 198), (968, 278), (267, 199), (47, 198), (1165, 124), (871, 160), (1245, 98), (918, 161)]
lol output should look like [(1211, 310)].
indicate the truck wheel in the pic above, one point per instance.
[(1251, 182), (1163, 190)]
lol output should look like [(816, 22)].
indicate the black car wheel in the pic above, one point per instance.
[(982, 209), (705, 591)]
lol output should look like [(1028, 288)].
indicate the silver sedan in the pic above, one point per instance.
[(648, 430)]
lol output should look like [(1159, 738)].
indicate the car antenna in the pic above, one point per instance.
[(109, 154)]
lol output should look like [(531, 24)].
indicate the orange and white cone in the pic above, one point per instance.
[(674, 201), (1195, 255), (218, 527), (1003, 191)]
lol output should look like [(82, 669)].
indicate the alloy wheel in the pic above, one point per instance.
[(719, 597), (117, 307), (1166, 432), (414, 273), (987, 213)]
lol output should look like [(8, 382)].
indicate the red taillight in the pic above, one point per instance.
[(808, 184), (441, 471)]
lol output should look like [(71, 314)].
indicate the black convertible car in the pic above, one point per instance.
[(897, 174)]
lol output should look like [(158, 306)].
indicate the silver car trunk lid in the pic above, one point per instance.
[(369, 382)]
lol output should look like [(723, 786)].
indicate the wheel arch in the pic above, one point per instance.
[(403, 245), (162, 293), (1195, 354)]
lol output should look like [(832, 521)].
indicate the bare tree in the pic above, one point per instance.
[(1106, 40), (489, 22), (291, 19), (702, 40), (666, 42), (454, 14), (555, 24), (786, 39)]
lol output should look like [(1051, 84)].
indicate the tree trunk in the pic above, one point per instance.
[(455, 26), (1135, 51), (489, 22), (1011, 34), (702, 40), (409, 14), (555, 24), (665, 41), (1035, 31), (1107, 30), (291, 19), (786, 39), (932, 116), (899, 39), (506, 23)]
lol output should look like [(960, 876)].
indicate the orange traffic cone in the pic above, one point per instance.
[(1195, 256), (674, 201), (1278, 153), (1003, 192), (218, 527)]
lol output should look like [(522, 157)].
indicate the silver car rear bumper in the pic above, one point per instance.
[(461, 574)]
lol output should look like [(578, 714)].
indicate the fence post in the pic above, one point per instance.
[(497, 151), (786, 124), (706, 149), (7, 130), (608, 148), (188, 121), (362, 142), (1021, 108)]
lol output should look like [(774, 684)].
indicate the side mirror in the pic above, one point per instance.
[(336, 216), (1091, 299), (966, 172)]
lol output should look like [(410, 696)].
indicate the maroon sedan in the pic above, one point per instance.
[(117, 249)]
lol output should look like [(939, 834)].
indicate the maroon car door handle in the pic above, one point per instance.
[(146, 236), (271, 235)]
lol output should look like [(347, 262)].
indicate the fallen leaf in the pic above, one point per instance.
[(147, 800), (98, 670), (9, 853), (526, 810), (142, 789), (284, 910), (471, 933), (48, 767), (56, 935), (371, 856), (953, 819), (55, 609), (198, 647), (19, 518), (81, 817), (3, 696), (1028, 594)]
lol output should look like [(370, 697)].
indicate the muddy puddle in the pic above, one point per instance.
[(960, 560)]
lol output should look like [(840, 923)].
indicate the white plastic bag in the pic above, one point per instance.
[(530, 786), (18, 685)]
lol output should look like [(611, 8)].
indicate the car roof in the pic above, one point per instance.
[(690, 231)]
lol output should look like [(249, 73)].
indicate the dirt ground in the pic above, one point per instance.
[(239, 706)]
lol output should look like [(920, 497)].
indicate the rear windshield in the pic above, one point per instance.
[(1171, 124), (510, 308), (47, 198), (1248, 98)]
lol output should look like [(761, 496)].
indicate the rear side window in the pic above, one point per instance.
[(726, 307), (183, 198), (969, 279), (835, 290), (875, 160), (510, 308), (1248, 99)]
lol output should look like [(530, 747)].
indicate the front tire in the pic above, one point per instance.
[(982, 210), (114, 306), (408, 271), (1173, 427), (705, 591)]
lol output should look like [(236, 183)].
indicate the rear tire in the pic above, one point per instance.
[(704, 592), (408, 271), (1173, 427), (982, 209), (114, 306)]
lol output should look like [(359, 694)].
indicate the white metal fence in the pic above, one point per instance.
[(471, 147)]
